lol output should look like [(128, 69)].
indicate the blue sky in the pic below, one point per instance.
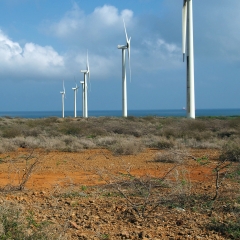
[(43, 42)]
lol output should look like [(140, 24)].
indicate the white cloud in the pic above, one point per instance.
[(109, 15), (8, 48), (102, 30), (73, 21), (32, 60), (158, 54)]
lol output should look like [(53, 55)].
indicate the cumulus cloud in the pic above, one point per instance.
[(102, 30), (97, 29), (31, 60)]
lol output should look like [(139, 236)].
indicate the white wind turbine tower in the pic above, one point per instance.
[(83, 104), (187, 42), (124, 81), (86, 74), (75, 100), (63, 96)]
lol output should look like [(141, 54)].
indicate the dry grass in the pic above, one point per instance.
[(75, 134), (171, 156), (127, 146)]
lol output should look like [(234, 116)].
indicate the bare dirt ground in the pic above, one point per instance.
[(73, 191), (64, 168)]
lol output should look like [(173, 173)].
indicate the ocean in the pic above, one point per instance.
[(118, 113)]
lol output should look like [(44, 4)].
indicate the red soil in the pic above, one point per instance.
[(85, 168)]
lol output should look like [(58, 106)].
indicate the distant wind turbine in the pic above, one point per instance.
[(75, 99), (124, 82), (187, 42), (63, 96), (86, 74), (83, 104)]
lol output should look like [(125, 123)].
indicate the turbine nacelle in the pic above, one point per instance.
[(76, 88), (122, 46), (63, 92)]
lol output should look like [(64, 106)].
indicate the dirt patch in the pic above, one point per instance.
[(66, 168), (68, 190)]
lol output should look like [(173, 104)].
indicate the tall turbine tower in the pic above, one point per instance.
[(75, 100), (187, 41), (86, 74), (63, 96), (83, 104), (124, 81)]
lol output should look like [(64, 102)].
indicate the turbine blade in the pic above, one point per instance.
[(125, 31), (129, 56), (63, 87), (128, 48), (87, 65), (184, 27), (88, 71)]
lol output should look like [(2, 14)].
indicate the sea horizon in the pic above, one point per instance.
[(118, 113)]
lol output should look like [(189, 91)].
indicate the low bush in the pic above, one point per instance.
[(171, 156), (230, 152), (6, 145), (229, 229), (71, 128), (126, 147), (165, 143), (11, 132), (106, 141)]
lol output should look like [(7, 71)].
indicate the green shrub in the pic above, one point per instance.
[(229, 229), (14, 224), (230, 152), (11, 132), (73, 128)]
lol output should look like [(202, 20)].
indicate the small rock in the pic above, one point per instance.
[(142, 234), (179, 222), (73, 224), (180, 209), (125, 234)]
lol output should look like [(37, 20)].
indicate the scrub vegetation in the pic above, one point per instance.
[(120, 135), (126, 205)]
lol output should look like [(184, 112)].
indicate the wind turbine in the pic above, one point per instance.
[(63, 96), (124, 82), (83, 97), (86, 74), (75, 100), (187, 42)]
